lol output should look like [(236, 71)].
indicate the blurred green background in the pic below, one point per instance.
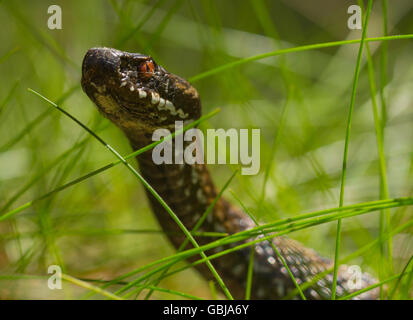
[(92, 228)]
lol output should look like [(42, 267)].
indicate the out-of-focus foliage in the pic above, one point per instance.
[(91, 228)]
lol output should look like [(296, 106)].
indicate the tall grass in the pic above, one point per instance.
[(64, 199)]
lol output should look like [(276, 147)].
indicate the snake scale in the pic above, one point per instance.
[(140, 96)]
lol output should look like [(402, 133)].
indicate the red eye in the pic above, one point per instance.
[(147, 68)]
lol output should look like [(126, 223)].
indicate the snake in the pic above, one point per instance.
[(139, 96)]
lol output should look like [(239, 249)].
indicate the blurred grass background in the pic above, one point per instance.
[(92, 229)]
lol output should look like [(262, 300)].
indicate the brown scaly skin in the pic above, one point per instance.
[(130, 98)]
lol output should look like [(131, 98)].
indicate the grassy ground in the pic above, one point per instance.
[(311, 104)]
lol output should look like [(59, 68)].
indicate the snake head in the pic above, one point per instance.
[(132, 90)]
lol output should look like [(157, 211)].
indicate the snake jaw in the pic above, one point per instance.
[(137, 89)]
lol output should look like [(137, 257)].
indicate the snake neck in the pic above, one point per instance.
[(188, 190)]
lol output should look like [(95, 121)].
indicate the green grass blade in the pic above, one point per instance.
[(347, 142), (240, 62), (88, 286), (391, 295)]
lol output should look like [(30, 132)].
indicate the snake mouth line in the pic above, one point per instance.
[(151, 98)]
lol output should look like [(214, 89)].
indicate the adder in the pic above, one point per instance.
[(140, 96)]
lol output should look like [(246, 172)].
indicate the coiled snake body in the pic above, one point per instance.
[(140, 96)]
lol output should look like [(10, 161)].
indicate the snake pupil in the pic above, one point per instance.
[(147, 68)]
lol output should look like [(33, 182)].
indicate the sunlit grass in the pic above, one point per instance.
[(57, 201)]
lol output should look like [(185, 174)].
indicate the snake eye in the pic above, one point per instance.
[(147, 68)]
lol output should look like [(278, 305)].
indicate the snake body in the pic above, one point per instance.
[(140, 96)]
